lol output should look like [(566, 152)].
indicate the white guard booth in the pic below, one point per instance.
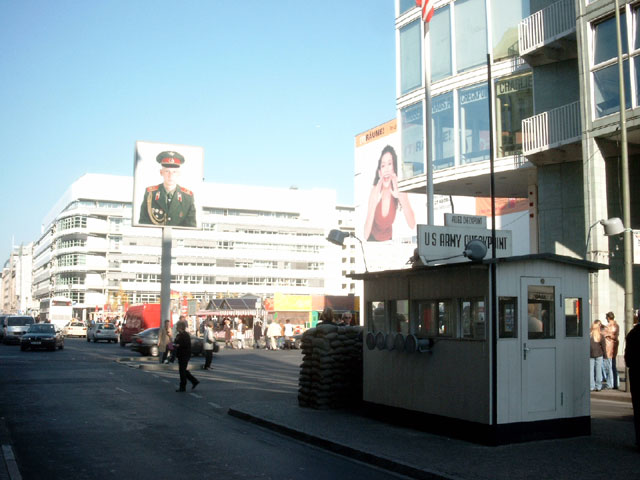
[(438, 358)]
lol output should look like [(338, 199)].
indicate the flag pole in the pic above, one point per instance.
[(428, 149)]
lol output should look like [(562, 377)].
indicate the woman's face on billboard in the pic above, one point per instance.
[(386, 171)]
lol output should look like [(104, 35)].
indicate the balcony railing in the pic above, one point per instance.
[(551, 129), (546, 25)]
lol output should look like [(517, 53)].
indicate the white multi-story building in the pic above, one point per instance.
[(254, 240), (15, 295)]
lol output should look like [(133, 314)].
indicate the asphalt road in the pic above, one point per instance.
[(79, 413)]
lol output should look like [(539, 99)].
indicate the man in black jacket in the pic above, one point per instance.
[(182, 346), (632, 361)]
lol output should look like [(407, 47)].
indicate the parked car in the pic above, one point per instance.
[(146, 343), (137, 319), (75, 329), (42, 335), (14, 326), (102, 331), (2, 317)]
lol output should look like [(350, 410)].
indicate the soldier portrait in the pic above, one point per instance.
[(168, 203)]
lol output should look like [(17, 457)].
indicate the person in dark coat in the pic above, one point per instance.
[(632, 361), (257, 333), (182, 348)]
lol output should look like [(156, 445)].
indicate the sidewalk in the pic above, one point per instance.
[(608, 453)]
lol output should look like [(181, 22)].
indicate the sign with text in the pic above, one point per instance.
[(440, 243), (458, 220)]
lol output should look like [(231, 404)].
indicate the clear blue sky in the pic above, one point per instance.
[(274, 91)]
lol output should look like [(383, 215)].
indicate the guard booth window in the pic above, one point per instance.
[(508, 313), (541, 311), (399, 316), (573, 317), (435, 319), (377, 316)]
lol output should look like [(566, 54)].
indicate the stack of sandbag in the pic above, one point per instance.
[(331, 370)]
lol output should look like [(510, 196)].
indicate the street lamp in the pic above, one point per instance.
[(612, 226), (337, 238)]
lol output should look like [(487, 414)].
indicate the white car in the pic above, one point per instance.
[(75, 329), (102, 331)]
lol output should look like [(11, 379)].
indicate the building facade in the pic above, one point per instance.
[(254, 240), (554, 116), (15, 294)]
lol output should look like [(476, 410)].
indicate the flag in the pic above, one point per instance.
[(427, 9)]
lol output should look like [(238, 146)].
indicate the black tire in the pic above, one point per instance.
[(23, 348)]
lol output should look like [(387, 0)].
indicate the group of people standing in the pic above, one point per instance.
[(603, 352)]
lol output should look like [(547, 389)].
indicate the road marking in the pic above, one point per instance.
[(166, 381), (196, 395), (10, 462), (215, 405), (122, 390)]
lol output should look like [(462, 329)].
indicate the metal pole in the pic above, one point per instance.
[(626, 209), (165, 275), (493, 272), (428, 153)]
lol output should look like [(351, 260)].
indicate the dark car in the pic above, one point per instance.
[(42, 335), (146, 343)]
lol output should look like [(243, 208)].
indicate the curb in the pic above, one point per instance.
[(343, 450)]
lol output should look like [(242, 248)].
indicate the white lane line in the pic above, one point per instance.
[(215, 405), (10, 463), (166, 381), (195, 395), (122, 390)]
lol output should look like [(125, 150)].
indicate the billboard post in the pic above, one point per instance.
[(165, 275)]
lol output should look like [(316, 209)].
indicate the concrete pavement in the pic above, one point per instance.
[(608, 452)]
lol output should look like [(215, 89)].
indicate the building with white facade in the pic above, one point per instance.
[(254, 240), (555, 124), (15, 294)]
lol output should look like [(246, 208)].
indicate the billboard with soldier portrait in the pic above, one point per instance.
[(167, 180)]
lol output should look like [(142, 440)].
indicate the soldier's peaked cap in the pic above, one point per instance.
[(170, 159)]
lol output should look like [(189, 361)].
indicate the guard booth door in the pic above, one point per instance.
[(539, 306)]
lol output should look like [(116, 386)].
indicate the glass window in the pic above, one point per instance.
[(541, 311), (607, 90), (400, 317), (508, 317), (435, 319), (443, 136), (471, 34), (514, 102), (410, 57), (636, 21), (406, 5), (505, 18), (473, 105), (605, 43), (412, 141), (377, 317), (573, 317), (472, 316), (440, 31)]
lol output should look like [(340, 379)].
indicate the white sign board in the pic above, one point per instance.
[(459, 220), (436, 243)]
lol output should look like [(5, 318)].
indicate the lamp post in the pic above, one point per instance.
[(624, 167), (612, 226), (337, 238)]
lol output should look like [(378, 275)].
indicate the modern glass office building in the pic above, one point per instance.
[(555, 121)]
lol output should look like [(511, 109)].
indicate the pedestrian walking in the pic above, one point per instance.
[(240, 333), (632, 361), (164, 338), (612, 334), (182, 346), (228, 334), (257, 333), (598, 349), (273, 332), (209, 340)]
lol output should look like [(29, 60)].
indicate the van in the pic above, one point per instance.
[(14, 326), (137, 319)]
